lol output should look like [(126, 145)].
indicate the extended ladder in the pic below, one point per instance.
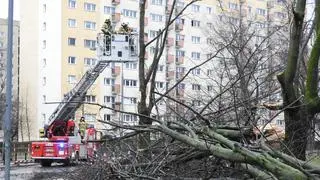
[(74, 98)]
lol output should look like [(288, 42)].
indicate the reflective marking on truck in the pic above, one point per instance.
[(49, 144)]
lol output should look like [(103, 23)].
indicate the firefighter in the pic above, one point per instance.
[(82, 127), (70, 127)]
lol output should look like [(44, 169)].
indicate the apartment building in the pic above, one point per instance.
[(3, 65), (58, 38)]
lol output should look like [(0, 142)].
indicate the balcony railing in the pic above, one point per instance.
[(170, 42), (179, 26), (179, 43), (179, 60), (170, 58)]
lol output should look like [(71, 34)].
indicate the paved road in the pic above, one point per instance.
[(35, 171)]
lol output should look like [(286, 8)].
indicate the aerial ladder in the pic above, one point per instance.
[(63, 146)]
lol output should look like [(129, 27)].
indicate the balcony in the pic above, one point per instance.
[(179, 26), (170, 58), (180, 93), (170, 75), (115, 71), (146, 21), (146, 55), (115, 2), (179, 75), (146, 37), (179, 60), (178, 9), (168, 9), (170, 42), (116, 17), (115, 89), (179, 43)]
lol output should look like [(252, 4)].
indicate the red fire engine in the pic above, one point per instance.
[(64, 143)]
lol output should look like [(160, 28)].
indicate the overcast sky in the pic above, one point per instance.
[(4, 9)]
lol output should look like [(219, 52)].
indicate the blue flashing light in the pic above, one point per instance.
[(61, 145)]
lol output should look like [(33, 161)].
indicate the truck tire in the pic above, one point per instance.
[(66, 162), (45, 162)]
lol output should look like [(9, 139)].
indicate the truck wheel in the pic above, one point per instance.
[(66, 162), (45, 162)]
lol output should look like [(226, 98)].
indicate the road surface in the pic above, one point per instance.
[(34, 171)]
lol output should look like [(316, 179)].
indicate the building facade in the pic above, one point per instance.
[(58, 38)]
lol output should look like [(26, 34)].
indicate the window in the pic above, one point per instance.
[(90, 117), (90, 98), (44, 81), (129, 117), (44, 98), (71, 41), (153, 34), (89, 7), (210, 72), (90, 61), (131, 65), (72, 79), (179, 53), (72, 23), (156, 17), (109, 10), (196, 103), (195, 8), (179, 37), (181, 86), (130, 100), (129, 13), (233, 6), (180, 69), (209, 25), (249, 9), (280, 15), (195, 23), (261, 12), (156, 2), (210, 41), (44, 44), (233, 20), (109, 81), (106, 117), (44, 26), (130, 83), (160, 68), (44, 8), (196, 87), (43, 117), (195, 39), (209, 10), (44, 62), (159, 84), (71, 60), (280, 122), (152, 49), (72, 4), (109, 99), (210, 88), (1, 44), (89, 25), (260, 25), (195, 55), (196, 71), (1, 34), (89, 43)]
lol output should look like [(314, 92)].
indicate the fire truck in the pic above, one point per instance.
[(62, 141)]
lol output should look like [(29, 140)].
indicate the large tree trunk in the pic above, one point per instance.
[(296, 131)]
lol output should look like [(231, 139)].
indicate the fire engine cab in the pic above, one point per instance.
[(63, 143)]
